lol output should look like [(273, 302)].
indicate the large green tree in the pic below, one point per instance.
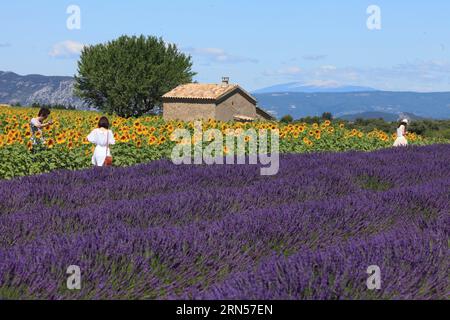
[(129, 75)]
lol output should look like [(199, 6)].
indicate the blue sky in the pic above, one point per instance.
[(256, 43)]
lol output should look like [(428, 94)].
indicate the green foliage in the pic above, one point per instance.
[(287, 119), (19, 161), (327, 116), (374, 183), (309, 120), (367, 125), (436, 129), (53, 106), (316, 119), (432, 128), (128, 76)]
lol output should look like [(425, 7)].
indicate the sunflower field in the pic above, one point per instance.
[(140, 140)]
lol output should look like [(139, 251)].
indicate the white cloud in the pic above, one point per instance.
[(5, 44), (217, 55), (292, 70), (280, 94), (66, 49), (314, 57), (423, 76), (328, 68), (288, 71)]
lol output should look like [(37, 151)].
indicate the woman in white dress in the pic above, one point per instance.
[(401, 133), (102, 137)]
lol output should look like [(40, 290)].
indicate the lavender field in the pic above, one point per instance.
[(159, 231)]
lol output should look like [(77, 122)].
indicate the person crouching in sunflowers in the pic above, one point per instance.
[(36, 125)]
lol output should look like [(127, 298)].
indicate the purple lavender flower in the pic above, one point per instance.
[(160, 231)]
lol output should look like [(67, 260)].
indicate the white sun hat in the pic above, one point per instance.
[(405, 121)]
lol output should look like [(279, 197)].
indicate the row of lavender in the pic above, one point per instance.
[(159, 231)]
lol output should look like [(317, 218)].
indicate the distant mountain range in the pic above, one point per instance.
[(312, 88), (297, 99), (30, 89), (380, 115), (301, 100), (298, 105)]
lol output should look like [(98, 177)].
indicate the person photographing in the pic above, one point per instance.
[(37, 124)]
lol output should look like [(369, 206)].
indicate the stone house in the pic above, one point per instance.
[(222, 102)]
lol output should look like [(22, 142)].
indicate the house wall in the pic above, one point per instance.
[(188, 111), (235, 105)]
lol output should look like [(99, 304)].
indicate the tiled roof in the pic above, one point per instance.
[(202, 91)]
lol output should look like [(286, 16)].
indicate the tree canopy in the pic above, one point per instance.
[(128, 76)]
